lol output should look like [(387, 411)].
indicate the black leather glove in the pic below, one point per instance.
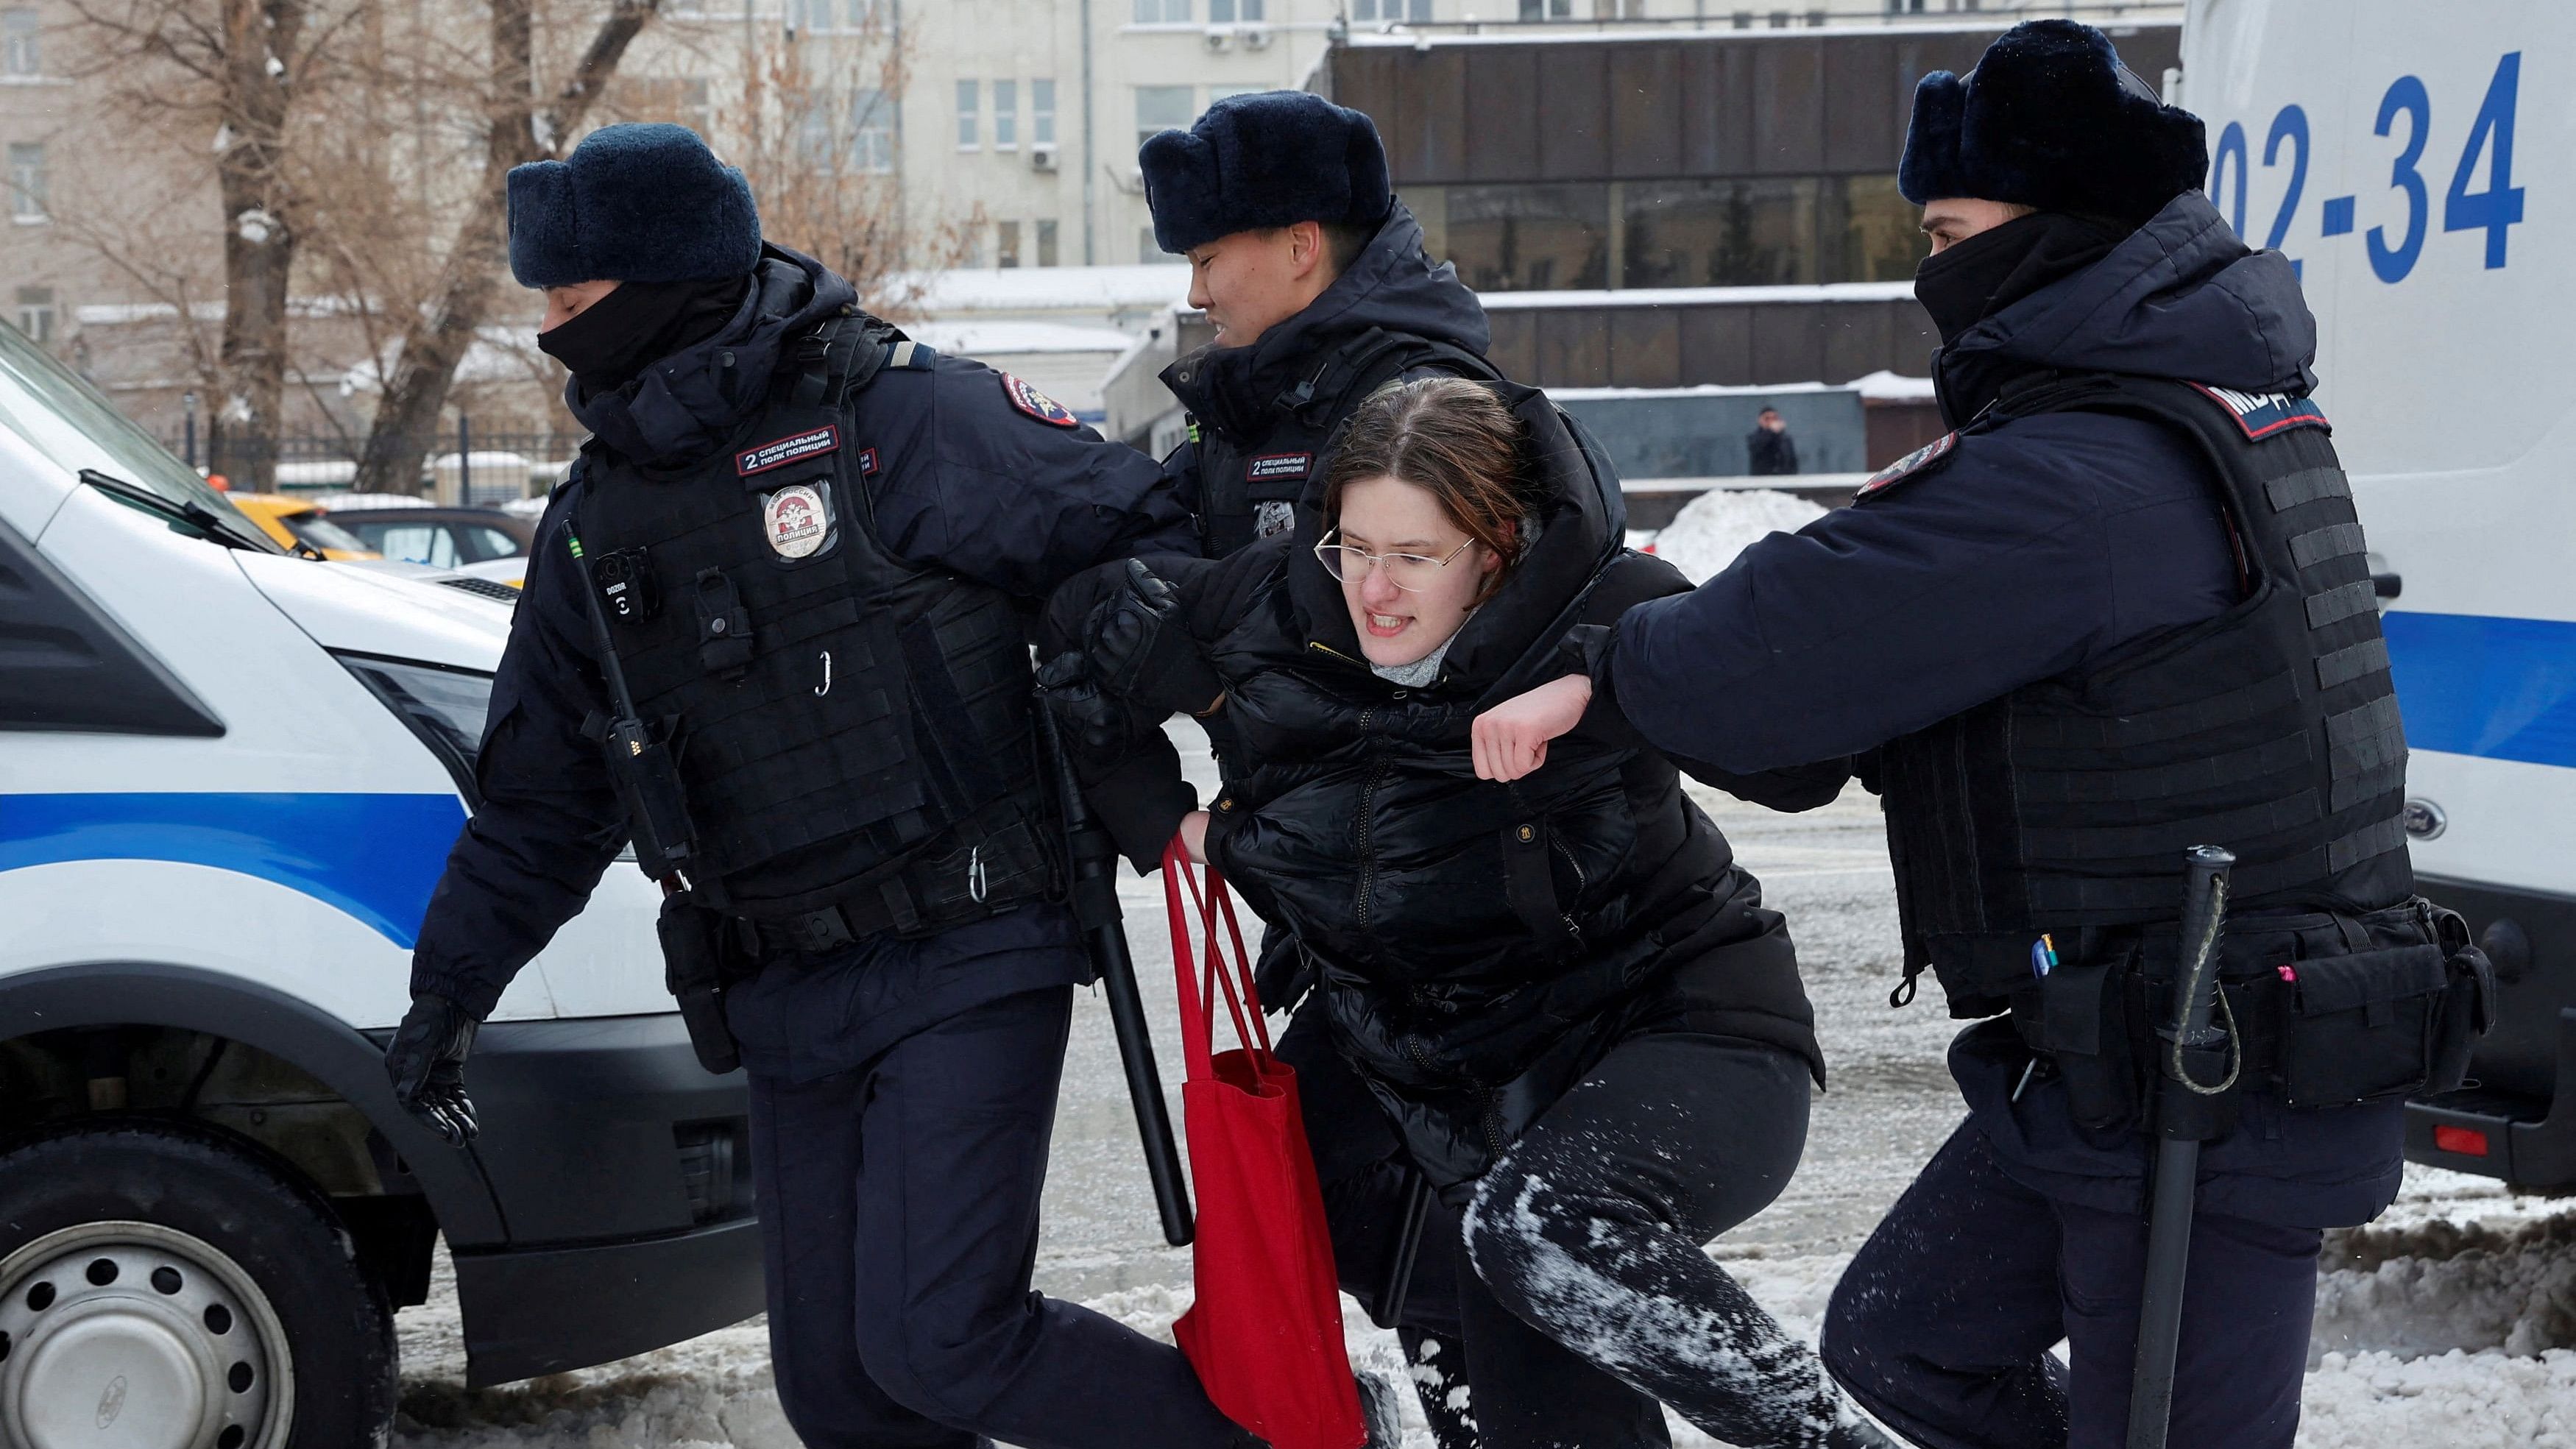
[(1142, 652), (427, 1063), (1096, 718)]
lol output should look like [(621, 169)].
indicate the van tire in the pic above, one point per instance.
[(234, 1244)]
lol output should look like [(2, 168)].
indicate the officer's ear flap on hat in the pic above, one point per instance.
[(1181, 185), (541, 222)]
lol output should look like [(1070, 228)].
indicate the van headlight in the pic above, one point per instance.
[(446, 707)]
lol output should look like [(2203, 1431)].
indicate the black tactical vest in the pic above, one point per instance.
[(1249, 485), (852, 732), (2271, 729)]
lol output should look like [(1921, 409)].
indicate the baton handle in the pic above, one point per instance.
[(1093, 862)]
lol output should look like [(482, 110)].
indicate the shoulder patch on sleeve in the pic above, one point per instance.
[(1913, 465), (1037, 404), (2261, 414)]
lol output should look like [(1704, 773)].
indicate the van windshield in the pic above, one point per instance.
[(66, 420)]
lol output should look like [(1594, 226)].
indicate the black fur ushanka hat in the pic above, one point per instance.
[(2051, 119)]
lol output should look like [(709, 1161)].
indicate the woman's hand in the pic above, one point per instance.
[(1510, 740), (1194, 835)]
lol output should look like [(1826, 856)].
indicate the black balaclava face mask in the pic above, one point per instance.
[(637, 325), (1964, 284)]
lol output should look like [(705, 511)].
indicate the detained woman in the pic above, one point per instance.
[(1583, 1026)]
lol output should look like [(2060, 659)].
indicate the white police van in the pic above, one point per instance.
[(2415, 161), (228, 781)]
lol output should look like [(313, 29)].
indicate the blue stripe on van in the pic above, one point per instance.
[(2470, 684), (374, 856)]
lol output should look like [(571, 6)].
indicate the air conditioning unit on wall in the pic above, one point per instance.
[(1256, 38), (1219, 39), (1041, 158)]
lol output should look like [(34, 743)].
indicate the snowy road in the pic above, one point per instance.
[(2450, 1322)]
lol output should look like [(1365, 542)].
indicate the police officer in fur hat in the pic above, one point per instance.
[(1316, 280), (2123, 610), (790, 566)]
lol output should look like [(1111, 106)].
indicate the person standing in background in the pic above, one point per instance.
[(1769, 450)]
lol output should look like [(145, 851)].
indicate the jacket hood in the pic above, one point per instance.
[(1581, 523), (1393, 284), (2181, 298), (687, 405)]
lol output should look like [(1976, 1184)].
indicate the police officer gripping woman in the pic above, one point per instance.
[(797, 544), (2123, 610), (1315, 277)]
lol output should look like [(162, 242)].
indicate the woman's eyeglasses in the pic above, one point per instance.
[(1411, 572)]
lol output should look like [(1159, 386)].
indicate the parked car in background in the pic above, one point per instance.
[(296, 525), (484, 542)]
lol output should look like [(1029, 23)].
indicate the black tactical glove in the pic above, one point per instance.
[(1098, 719), (1142, 652), (427, 1064)]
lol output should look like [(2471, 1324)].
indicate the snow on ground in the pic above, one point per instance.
[(1713, 528), (2451, 1321)]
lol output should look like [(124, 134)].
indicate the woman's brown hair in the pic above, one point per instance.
[(1452, 437)]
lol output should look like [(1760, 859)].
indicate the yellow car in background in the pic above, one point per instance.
[(300, 527)]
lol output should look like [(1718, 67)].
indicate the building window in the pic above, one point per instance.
[(36, 312), (1163, 108), (1006, 115), (872, 127), (18, 52), (1162, 12), (1530, 238), (969, 105), (1393, 10), (1545, 9), (1227, 12), (1042, 113), (1046, 244), (27, 181), (1006, 244), (1749, 233)]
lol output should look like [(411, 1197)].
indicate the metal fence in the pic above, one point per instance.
[(459, 465)]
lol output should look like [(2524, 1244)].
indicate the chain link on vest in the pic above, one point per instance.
[(852, 732), (2271, 729)]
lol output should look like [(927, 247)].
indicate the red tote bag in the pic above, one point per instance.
[(1265, 1333)]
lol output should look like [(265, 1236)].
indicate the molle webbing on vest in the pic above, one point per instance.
[(2272, 730), (879, 717)]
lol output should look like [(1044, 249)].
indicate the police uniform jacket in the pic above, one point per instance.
[(2049, 553), (1261, 415), (971, 474)]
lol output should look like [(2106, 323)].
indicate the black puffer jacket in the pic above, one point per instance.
[(1480, 945)]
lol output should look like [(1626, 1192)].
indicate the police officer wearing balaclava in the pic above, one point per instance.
[(2123, 610), (804, 544)]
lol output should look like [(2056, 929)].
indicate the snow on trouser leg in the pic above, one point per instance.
[(1590, 1228)]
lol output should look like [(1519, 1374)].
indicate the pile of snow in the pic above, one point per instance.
[(1716, 526)]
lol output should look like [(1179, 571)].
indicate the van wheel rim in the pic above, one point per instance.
[(139, 1336)]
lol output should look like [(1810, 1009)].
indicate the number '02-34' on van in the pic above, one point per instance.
[(229, 779)]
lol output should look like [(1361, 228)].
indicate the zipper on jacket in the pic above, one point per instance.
[(1368, 805), (1582, 882)]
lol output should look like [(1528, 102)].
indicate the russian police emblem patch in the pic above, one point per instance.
[(1037, 404)]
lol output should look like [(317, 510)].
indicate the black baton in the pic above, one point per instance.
[(1398, 1283), (1094, 863), (2196, 1063)]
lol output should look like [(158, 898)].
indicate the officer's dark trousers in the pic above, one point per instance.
[(1943, 1324), (899, 1211)]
